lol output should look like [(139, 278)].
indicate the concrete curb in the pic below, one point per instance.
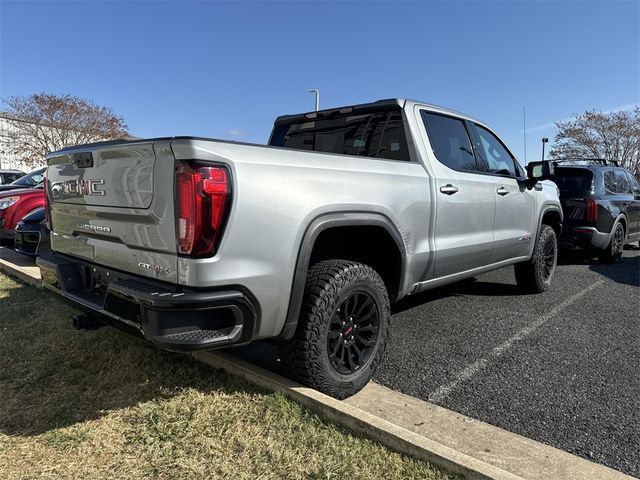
[(359, 421), (18, 265)]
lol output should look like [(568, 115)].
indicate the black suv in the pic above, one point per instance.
[(601, 205)]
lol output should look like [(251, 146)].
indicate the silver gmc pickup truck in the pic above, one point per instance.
[(195, 243)]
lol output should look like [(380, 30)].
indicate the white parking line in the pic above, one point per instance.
[(468, 372)]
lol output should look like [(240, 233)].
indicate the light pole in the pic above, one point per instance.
[(544, 140), (317, 92)]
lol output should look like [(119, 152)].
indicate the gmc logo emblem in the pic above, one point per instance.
[(78, 188)]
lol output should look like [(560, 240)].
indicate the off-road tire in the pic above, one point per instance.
[(613, 252), (535, 275), (306, 356)]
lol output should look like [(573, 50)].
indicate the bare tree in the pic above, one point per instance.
[(42, 123), (611, 136)]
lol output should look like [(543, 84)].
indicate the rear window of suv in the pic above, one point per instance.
[(573, 182), (377, 135)]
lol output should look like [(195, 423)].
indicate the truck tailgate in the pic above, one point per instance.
[(103, 206)]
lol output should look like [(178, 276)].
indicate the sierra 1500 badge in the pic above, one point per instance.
[(94, 228)]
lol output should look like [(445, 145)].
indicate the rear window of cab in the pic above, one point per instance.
[(376, 135)]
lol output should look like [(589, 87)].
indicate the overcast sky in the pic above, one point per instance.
[(227, 69)]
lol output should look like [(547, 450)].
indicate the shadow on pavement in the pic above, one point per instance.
[(466, 287), (576, 257), (16, 258), (627, 271)]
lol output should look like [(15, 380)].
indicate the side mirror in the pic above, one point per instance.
[(537, 171)]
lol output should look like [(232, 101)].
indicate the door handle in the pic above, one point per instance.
[(502, 191), (449, 189)]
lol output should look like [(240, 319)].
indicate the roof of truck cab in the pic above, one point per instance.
[(404, 103)]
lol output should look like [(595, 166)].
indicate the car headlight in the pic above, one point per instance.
[(8, 201)]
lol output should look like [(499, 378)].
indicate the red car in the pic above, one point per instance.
[(15, 204)]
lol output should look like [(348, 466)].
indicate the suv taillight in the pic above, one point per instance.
[(203, 196), (591, 213)]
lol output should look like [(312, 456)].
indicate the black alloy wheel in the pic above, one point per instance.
[(353, 333)]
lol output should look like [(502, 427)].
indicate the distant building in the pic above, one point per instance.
[(8, 160)]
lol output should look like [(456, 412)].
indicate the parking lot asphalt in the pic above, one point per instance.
[(561, 368)]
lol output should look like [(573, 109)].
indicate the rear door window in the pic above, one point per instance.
[(376, 135), (573, 182), (450, 141)]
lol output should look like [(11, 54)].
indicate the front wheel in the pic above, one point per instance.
[(534, 276), (613, 252), (342, 330)]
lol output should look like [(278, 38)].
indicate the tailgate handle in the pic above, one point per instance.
[(83, 160)]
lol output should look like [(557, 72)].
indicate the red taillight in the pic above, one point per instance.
[(202, 197), (591, 213)]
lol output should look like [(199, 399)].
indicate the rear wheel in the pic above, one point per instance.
[(535, 275), (613, 252), (342, 330)]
